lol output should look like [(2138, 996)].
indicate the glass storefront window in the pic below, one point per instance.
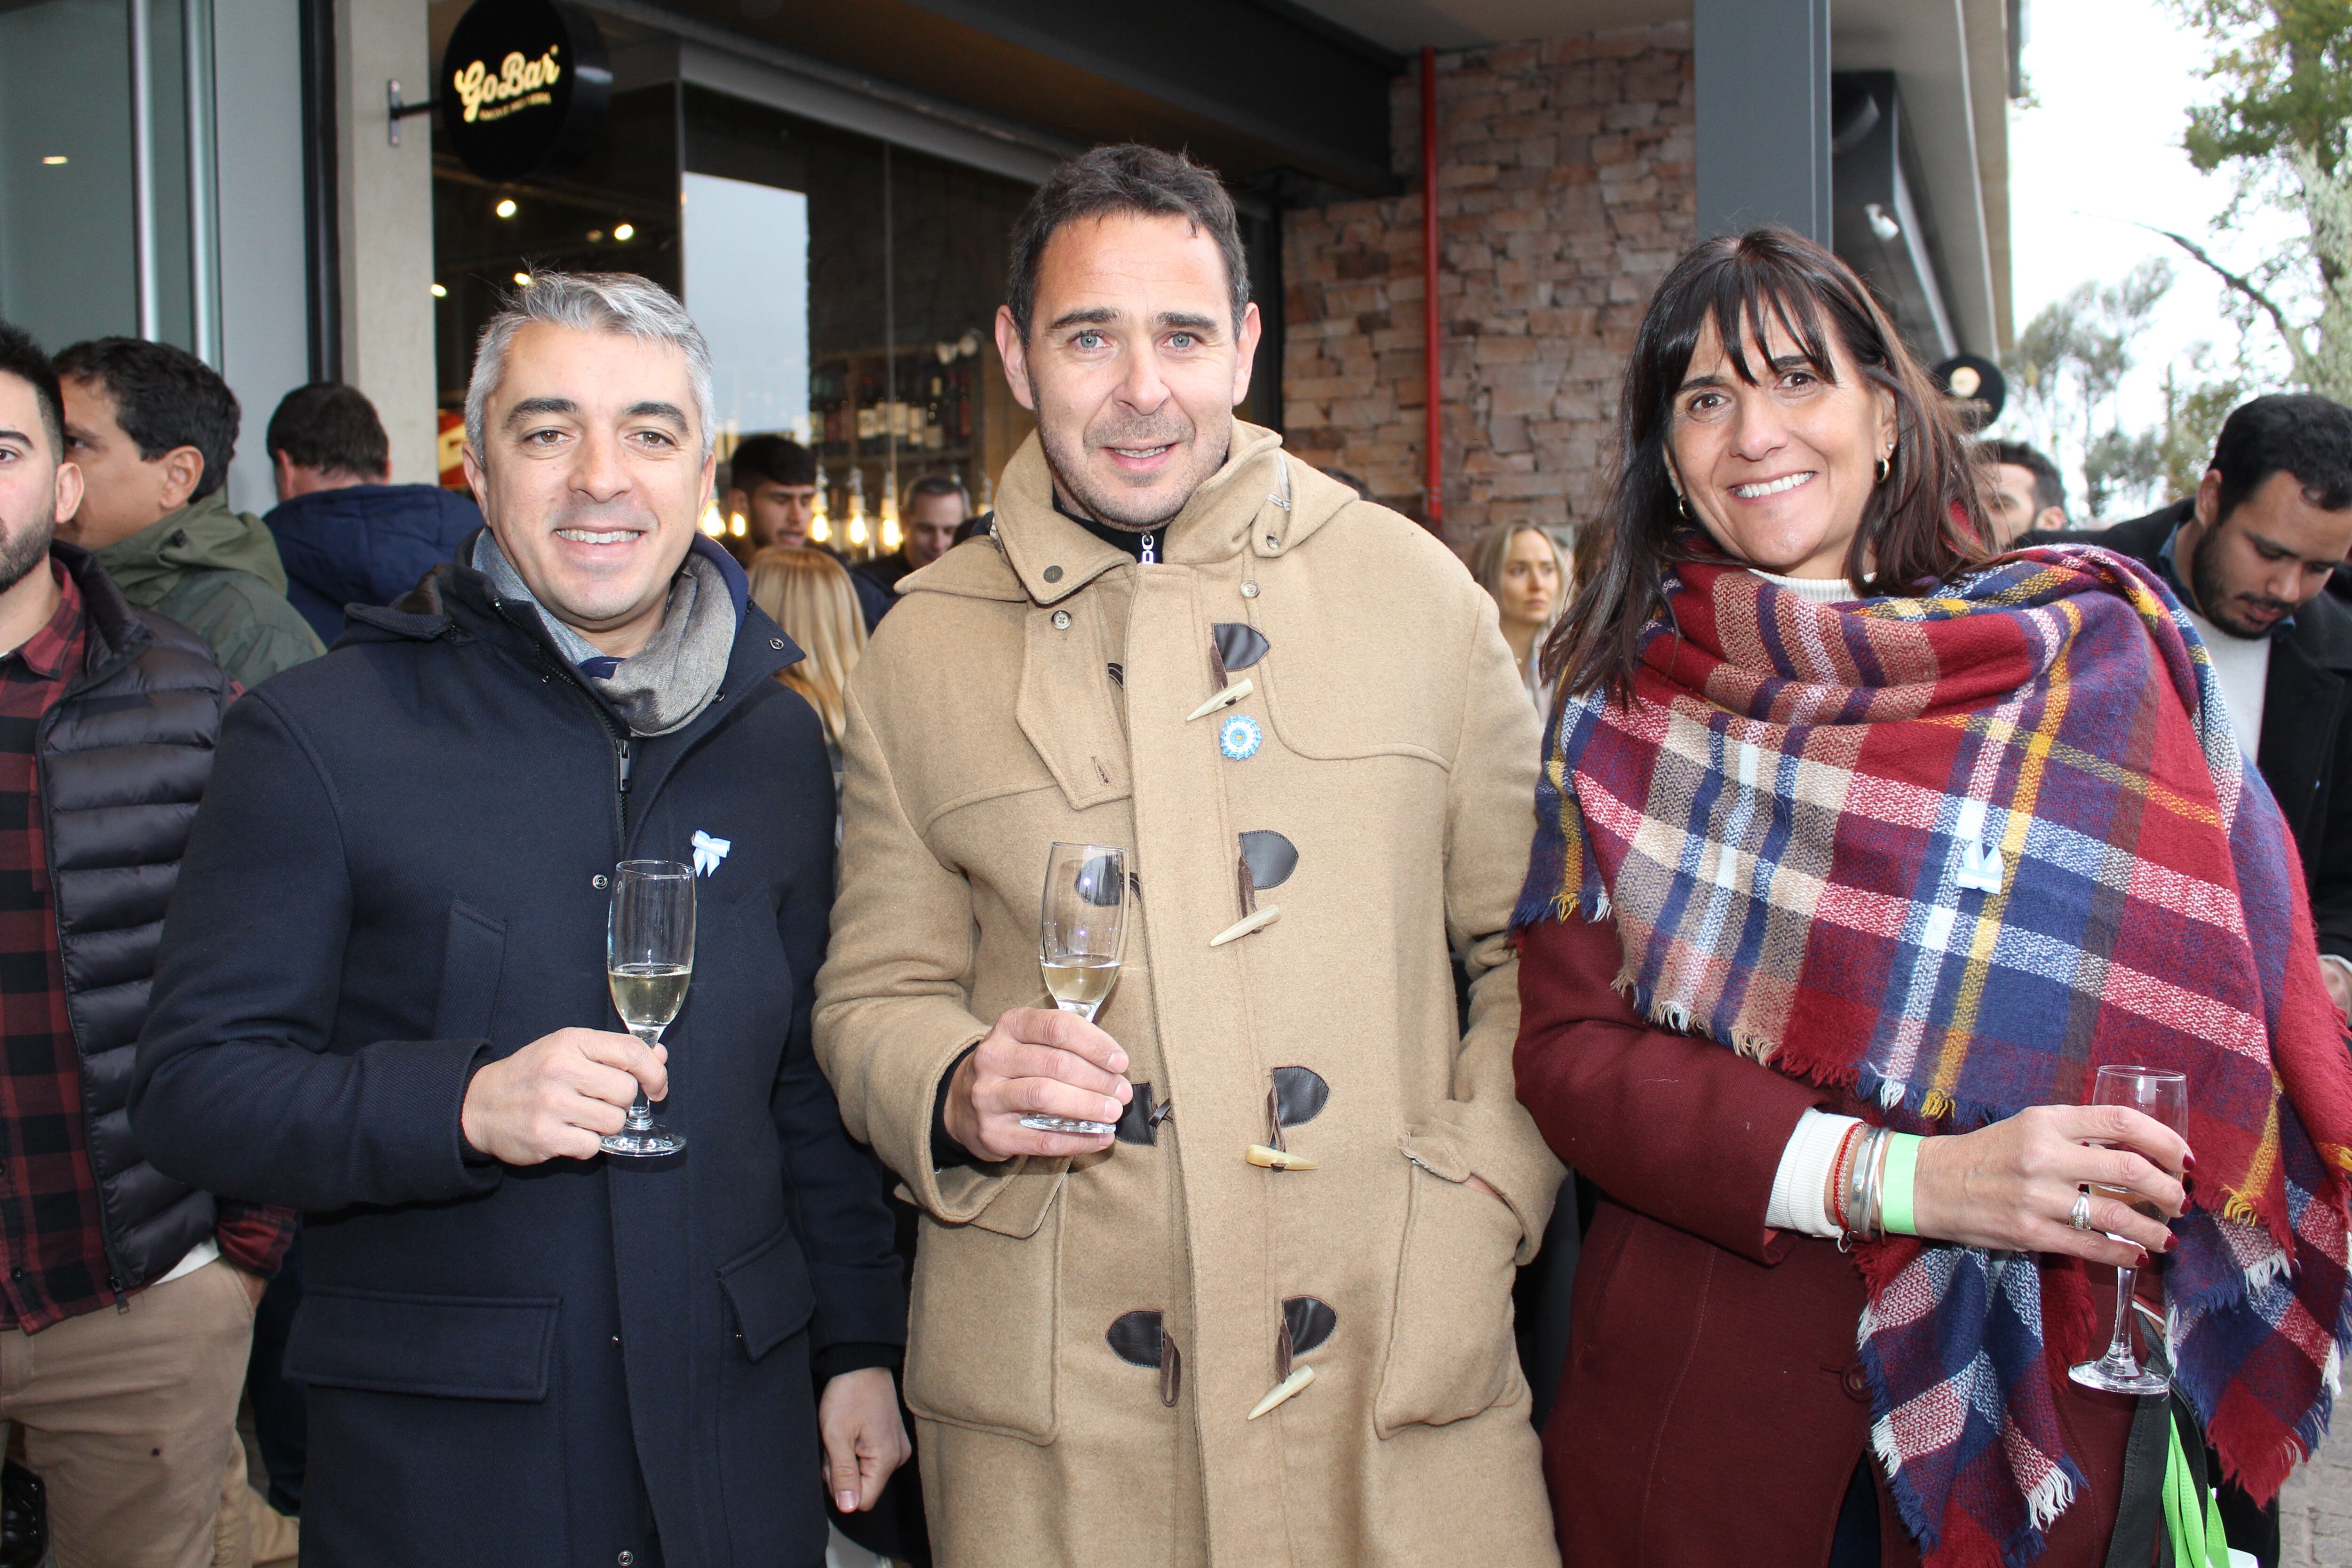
[(617, 212), (747, 280), (71, 176), (849, 288), (904, 268)]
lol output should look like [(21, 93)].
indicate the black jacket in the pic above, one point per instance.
[(2306, 755), (402, 872), (123, 759)]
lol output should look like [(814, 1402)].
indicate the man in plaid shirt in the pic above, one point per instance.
[(108, 717)]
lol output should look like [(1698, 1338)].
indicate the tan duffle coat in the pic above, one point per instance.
[(1089, 1336)]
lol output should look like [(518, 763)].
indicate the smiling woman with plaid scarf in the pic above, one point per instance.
[(1842, 828)]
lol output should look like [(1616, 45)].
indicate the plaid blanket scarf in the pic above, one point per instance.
[(1954, 853)]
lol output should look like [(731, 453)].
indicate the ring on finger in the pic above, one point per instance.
[(2081, 1219)]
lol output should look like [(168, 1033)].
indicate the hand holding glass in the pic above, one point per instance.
[(1081, 934), (649, 960), (2162, 1096)]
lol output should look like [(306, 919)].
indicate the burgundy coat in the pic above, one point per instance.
[(1713, 1409)]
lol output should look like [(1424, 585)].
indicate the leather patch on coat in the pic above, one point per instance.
[(1134, 1338), (1233, 645), (1142, 1338), (1138, 1121), (1309, 1323), (1271, 858), (1299, 1096)]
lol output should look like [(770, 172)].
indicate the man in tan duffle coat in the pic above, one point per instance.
[(1097, 1318)]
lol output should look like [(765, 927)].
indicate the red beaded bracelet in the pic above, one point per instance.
[(1838, 1177)]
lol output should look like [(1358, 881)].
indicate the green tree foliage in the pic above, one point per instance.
[(2192, 420), (2064, 372), (2286, 70), (2282, 123)]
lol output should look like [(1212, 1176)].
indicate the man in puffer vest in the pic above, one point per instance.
[(126, 1297)]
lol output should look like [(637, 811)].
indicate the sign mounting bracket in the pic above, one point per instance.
[(397, 111)]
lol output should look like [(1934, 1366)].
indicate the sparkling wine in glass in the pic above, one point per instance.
[(649, 959), (1081, 934), (2163, 1097)]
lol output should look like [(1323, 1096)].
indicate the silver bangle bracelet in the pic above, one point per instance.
[(1861, 1191), (1880, 1148)]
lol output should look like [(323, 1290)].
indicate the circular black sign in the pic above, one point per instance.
[(524, 86), (1974, 379)]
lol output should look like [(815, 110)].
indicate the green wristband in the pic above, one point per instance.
[(1902, 1165)]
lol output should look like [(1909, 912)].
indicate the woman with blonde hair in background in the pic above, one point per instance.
[(1524, 572), (810, 595)]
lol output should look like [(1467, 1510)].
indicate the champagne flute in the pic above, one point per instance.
[(649, 959), (1081, 934), (2163, 1097)]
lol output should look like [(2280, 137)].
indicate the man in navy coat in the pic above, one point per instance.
[(346, 535), (382, 1000)]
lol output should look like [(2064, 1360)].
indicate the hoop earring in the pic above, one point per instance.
[(1682, 505), (1885, 468)]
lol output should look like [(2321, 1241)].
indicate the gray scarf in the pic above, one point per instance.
[(666, 684)]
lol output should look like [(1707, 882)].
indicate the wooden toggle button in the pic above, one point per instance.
[(1223, 699), (1256, 920), (1282, 1391)]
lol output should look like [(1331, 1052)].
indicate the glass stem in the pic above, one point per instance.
[(2119, 1343), (641, 1112)]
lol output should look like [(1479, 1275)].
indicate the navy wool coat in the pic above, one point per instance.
[(400, 871)]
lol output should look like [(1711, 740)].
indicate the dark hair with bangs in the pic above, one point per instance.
[(1921, 526)]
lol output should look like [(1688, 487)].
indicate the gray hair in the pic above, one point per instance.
[(591, 302)]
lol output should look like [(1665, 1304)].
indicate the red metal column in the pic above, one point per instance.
[(1433, 450)]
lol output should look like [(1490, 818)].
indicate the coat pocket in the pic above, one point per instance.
[(457, 1347), (769, 1289), (473, 959), (980, 1340), (1451, 1354)]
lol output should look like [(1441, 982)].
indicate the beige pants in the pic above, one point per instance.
[(130, 1418)]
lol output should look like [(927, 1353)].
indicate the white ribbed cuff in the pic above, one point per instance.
[(1804, 1170)]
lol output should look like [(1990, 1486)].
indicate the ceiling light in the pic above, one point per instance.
[(439, 292), (506, 207), (53, 159), (522, 280), (594, 234), (624, 231)]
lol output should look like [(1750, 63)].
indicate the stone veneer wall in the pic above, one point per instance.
[(1566, 188)]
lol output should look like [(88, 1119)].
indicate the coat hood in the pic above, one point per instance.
[(1263, 501), (203, 536), (368, 544)]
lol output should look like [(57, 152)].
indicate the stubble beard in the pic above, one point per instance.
[(2214, 595), (25, 548), (1066, 454)]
